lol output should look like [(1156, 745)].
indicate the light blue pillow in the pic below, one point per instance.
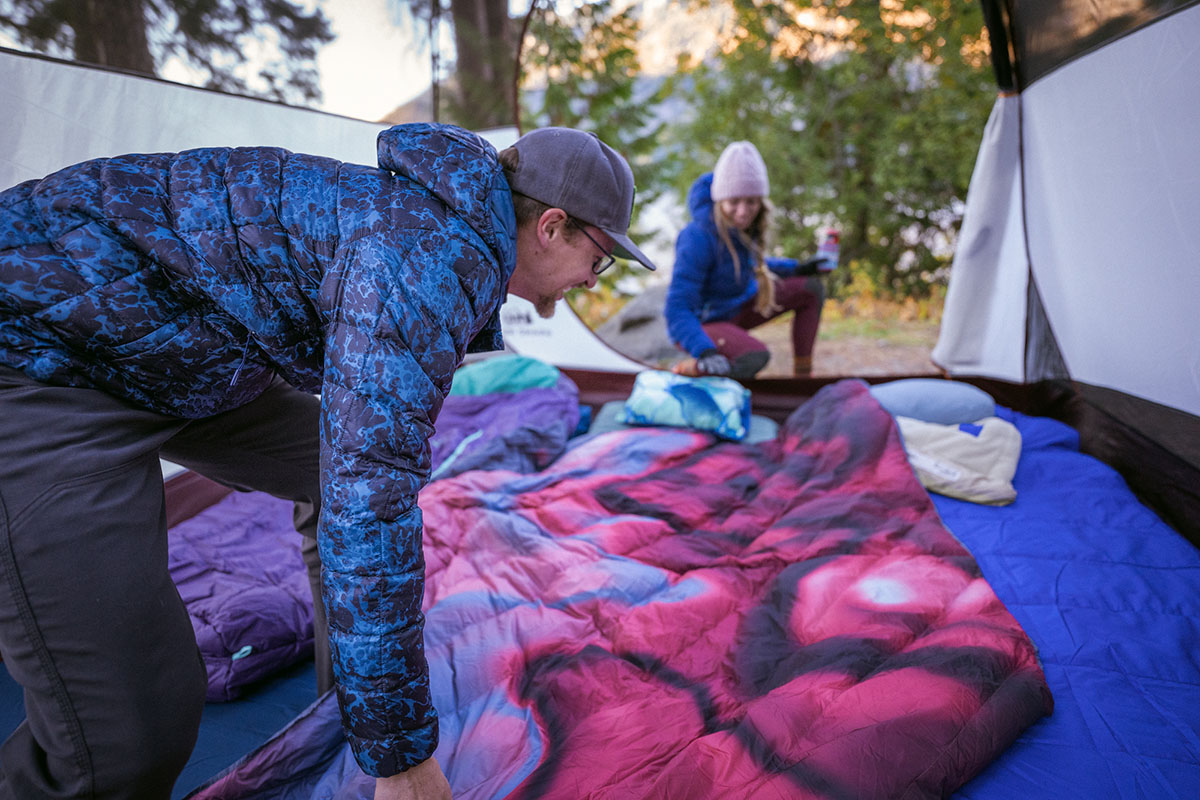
[(608, 418), (935, 400), (720, 405)]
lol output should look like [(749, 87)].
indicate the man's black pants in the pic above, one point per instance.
[(91, 625)]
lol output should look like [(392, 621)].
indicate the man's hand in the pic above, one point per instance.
[(425, 781)]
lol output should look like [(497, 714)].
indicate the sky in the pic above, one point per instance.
[(373, 65)]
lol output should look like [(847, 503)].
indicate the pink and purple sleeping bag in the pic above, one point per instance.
[(661, 615)]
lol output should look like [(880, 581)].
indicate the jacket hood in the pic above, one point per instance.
[(462, 170), (699, 201)]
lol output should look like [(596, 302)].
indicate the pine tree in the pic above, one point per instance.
[(210, 37)]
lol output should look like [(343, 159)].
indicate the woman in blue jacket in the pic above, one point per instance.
[(724, 284)]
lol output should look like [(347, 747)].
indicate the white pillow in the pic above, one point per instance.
[(970, 461)]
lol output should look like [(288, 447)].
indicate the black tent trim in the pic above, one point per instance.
[(1032, 38)]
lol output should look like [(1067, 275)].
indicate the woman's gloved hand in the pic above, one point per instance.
[(710, 362)]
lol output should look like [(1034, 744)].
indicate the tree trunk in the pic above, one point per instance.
[(111, 33), (486, 55)]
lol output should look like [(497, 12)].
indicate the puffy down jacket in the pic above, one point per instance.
[(183, 282)]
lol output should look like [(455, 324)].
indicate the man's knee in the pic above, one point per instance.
[(144, 757)]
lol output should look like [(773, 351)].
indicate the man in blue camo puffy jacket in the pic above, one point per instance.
[(189, 305)]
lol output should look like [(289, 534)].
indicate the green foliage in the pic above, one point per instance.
[(868, 115), (211, 37)]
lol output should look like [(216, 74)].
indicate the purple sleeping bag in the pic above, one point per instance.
[(238, 566), (519, 431)]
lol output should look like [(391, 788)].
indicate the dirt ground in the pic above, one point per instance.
[(867, 338), (905, 352)]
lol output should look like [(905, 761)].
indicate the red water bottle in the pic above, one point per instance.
[(829, 251)]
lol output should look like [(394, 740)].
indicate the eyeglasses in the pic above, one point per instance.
[(602, 263)]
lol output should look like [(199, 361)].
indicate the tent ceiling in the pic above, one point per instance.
[(1045, 34)]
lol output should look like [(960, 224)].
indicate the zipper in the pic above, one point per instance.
[(242, 363)]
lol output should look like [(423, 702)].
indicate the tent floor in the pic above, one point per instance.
[(228, 731)]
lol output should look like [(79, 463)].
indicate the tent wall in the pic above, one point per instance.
[(1112, 198), (983, 320), (57, 114), (1085, 196), (564, 339), (1100, 156)]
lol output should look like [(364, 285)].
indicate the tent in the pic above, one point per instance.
[(1076, 272)]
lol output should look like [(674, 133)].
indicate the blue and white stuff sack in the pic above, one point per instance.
[(718, 405)]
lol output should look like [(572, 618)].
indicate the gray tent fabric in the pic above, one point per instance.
[(1075, 275), (985, 303), (1085, 182), (1043, 359)]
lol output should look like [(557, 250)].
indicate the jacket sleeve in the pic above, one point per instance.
[(785, 267), (791, 267), (694, 258), (402, 308)]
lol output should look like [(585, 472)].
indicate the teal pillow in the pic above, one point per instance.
[(506, 373), (945, 402)]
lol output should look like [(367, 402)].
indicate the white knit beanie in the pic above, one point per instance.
[(740, 172)]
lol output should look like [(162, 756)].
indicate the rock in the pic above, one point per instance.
[(639, 329)]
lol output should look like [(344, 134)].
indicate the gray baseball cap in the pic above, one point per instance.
[(575, 171)]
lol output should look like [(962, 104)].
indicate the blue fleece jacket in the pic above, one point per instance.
[(184, 281), (705, 286)]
